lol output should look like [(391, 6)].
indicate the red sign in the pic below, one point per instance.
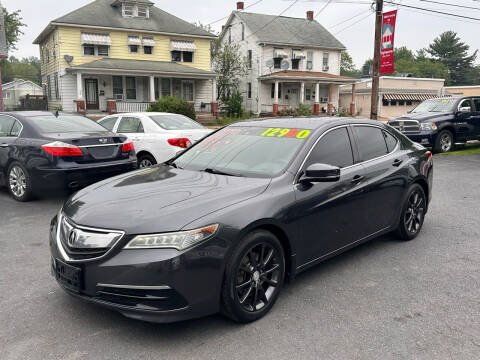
[(387, 61)]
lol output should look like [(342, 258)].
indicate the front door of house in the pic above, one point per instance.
[(293, 98), (91, 94)]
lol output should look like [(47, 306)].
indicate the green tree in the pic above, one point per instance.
[(230, 67), (13, 27), (347, 67), (453, 53), (26, 69)]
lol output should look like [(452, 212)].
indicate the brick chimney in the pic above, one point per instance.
[(240, 5), (310, 15)]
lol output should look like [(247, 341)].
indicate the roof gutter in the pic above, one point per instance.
[(301, 45), (123, 71)]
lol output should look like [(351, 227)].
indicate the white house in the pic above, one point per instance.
[(291, 61), (17, 89)]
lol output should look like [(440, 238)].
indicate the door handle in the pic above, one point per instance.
[(357, 179), (397, 162), (3, 145)]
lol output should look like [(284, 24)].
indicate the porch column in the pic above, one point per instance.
[(81, 109), (352, 104), (302, 92), (152, 88), (214, 104), (275, 99), (330, 98), (316, 106)]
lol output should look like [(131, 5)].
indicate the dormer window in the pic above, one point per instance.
[(127, 10), (135, 10), (142, 11)]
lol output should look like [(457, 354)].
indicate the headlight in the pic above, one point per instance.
[(177, 240), (428, 126)]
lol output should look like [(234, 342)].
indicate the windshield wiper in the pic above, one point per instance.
[(172, 163), (219, 172)]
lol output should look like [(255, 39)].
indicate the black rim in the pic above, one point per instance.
[(415, 210), (258, 277)]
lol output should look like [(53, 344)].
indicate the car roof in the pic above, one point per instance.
[(27, 114), (305, 122), (145, 113)]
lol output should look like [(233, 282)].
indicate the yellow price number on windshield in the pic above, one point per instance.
[(286, 132)]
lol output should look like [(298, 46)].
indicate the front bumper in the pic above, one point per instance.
[(158, 285), (425, 138)]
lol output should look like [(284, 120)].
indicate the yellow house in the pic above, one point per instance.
[(122, 55)]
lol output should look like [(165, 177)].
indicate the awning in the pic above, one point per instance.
[(182, 45), (298, 54), (148, 41), (279, 53), (409, 97), (134, 40), (96, 39)]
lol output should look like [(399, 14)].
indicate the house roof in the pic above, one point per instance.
[(19, 82), (284, 30), (142, 66), (308, 75), (101, 14)]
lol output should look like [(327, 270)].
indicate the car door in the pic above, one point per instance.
[(330, 215), (10, 129), (386, 172), (131, 127), (464, 120), (476, 117)]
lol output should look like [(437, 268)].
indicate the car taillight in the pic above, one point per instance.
[(429, 155), (58, 148), (180, 142), (128, 147)]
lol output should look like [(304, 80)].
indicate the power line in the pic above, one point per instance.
[(346, 20), (356, 22), (433, 11), (225, 17), (449, 4)]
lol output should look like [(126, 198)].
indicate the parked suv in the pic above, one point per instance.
[(442, 122)]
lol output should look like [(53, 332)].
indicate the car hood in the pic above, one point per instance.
[(424, 116), (158, 199)]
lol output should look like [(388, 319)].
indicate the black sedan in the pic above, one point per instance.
[(42, 150), (225, 223)]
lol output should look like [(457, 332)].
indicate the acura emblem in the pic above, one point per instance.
[(72, 237), (103, 141)]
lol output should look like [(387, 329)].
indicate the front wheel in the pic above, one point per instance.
[(253, 278), (445, 142), (19, 182), (413, 213), (146, 160)]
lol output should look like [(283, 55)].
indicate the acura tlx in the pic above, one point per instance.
[(223, 225)]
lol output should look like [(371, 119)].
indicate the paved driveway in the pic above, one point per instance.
[(383, 300)]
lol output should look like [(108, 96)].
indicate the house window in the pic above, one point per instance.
[(249, 58), (117, 82), (309, 60), (166, 87), (401, 103), (133, 49), (249, 90), (57, 95), (295, 64), (89, 50), (279, 90), (6, 95), (176, 56), (49, 87), (187, 56), (48, 55), (325, 61), (277, 63), (131, 88), (229, 35), (308, 94), (142, 11), (103, 50), (409, 102), (243, 31), (393, 103), (187, 90), (148, 50), (127, 10), (385, 102)]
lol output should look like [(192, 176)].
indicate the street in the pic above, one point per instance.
[(384, 300)]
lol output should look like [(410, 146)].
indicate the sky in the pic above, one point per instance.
[(415, 29)]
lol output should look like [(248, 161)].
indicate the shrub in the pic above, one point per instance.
[(172, 104), (304, 110), (287, 112), (232, 105)]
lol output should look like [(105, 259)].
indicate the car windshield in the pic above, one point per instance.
[(65, 124), (435, 105), (175, 122), (245, 151)]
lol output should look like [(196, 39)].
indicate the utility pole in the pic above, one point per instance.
[(376, 59)]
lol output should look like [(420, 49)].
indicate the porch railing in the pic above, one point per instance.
[(128, 106), (268, 108)]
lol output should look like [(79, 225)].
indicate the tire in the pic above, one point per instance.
[(146, 160), (19, 182), (251, 287), (413, 213), (445, 142)]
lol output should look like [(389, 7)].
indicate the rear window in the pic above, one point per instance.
[(175, 122), (371, 142), (65, 124)]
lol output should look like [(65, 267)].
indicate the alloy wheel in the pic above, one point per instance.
[(18, 181), (446, 142), (258, 277), (145, 163), (415, 212)]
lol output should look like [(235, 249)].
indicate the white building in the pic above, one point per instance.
[(292, 61)]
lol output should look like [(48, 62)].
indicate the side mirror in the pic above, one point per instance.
[(465, 109), (320, 173)]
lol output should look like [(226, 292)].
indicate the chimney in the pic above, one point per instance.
[(310, 15), (240, 5)]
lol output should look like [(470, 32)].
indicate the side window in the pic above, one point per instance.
[(370, 141), (477, 104), (333, 149), (390, 140), (466, 103), (6, 124), (130, 125), (109, 123), (16, 129)]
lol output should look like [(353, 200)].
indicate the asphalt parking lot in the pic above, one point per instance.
[(383, 300)]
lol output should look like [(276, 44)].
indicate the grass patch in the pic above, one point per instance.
[(468, 149)]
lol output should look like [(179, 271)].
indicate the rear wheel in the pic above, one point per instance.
[(253, 277), (445, 142), (413, 213), (19, 182), (146, 160)]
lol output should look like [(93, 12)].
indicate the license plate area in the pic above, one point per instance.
[(68, 276)]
